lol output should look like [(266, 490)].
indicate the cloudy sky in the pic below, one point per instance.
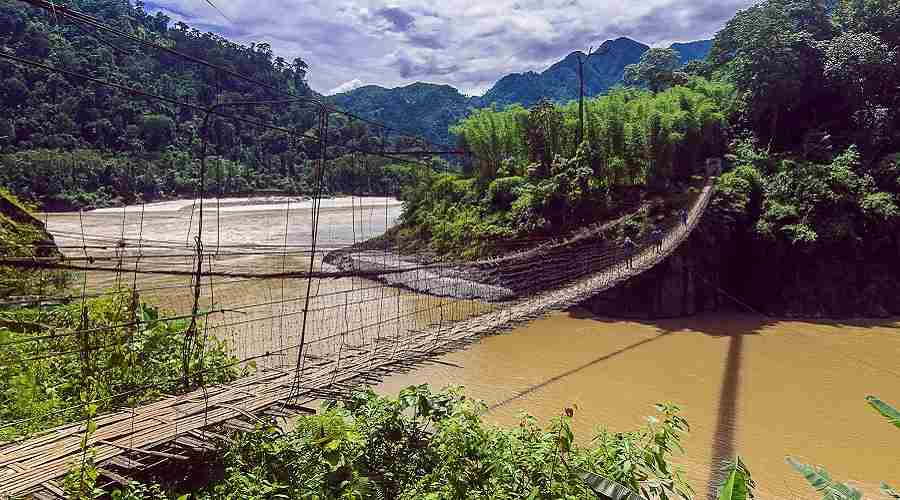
[(465, 43)]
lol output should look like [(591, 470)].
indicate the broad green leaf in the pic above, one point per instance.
[(822, 482), (607, 488), (738, 485), (886, 410)]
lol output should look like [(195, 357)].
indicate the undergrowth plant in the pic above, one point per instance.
[(133, 351), (434, 445)]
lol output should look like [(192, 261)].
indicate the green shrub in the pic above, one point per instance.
[(502, 192), (427, 445), (42, 379)]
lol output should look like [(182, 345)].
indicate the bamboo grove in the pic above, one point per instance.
[(528, 177)]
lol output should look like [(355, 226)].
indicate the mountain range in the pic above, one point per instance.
[(428, 110)]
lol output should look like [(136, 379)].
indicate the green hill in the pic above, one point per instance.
[(68, 143), (420, 108)]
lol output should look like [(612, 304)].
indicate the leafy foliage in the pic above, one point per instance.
[(822, 482), (432, 445), (803, 68), (22, 235), (833, 490), (111, 147), (135, 360), (738, 484), (656, 69), (886, 410)]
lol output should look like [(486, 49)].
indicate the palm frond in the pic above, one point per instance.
[(891, 492)]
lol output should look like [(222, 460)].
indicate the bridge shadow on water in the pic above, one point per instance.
[(573, 371), (725, 430)]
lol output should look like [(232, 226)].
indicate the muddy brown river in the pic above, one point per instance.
[(760, 388)]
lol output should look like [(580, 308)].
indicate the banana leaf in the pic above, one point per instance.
[(886, 410), (822, 482)]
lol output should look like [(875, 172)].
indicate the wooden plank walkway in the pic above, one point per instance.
[(35, 465)]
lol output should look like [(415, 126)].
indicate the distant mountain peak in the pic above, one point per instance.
[(623, 41)]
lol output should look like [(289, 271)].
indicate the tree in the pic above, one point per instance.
[(300, 68), (776, 65), (656, 69), (157, 131), (7, 132), (581, 61), (861, 65), (543, 130), (14, 92), (881, 17)]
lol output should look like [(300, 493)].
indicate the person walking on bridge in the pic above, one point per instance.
[(684, 216), (657, 237), (629, 246)]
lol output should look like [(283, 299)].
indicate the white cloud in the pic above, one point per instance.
[(465, 43), (346, 86)]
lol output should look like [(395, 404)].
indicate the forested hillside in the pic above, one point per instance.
[(431, 110), (422, 109), (809, 210), (559, 82), (68, 143)]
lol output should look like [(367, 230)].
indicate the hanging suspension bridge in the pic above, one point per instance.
[(338, 315), (334, 362)]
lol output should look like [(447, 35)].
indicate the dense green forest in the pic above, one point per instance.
[(800, 96), (67, 143), (810, 207)]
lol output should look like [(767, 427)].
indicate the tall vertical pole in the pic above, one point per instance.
[(580, 136), (581, 61)]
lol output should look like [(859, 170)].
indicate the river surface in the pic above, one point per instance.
[(760, 388)]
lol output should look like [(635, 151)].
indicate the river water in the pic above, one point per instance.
[(760, 388)]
